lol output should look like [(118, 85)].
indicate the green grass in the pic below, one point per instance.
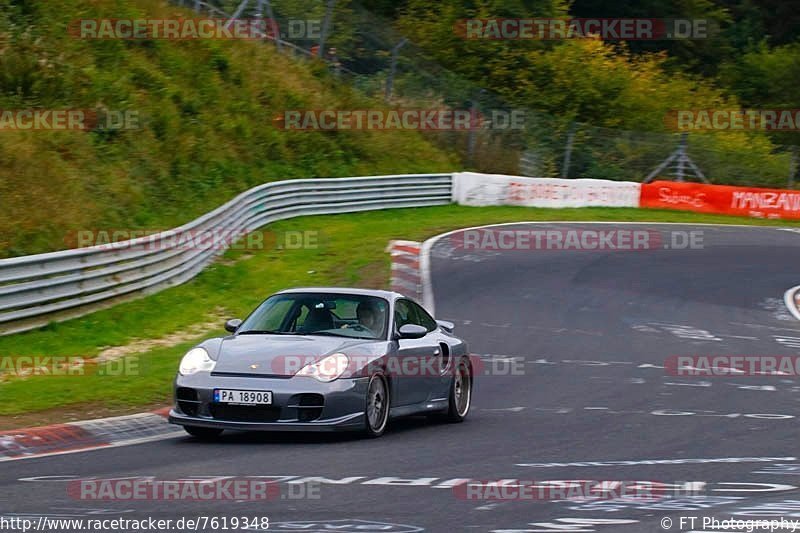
[(351, 252), (206, 111)]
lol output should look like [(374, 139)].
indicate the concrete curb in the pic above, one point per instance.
[(86, 435), (406, 274)]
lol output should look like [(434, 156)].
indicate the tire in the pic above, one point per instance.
[(460, 397), (376, 410), (203, 433)]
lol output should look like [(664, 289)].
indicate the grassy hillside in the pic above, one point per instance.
[(206, 110)]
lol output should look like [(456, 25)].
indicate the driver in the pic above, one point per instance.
[(369, 316)]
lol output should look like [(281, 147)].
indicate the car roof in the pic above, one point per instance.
[(389, 295)]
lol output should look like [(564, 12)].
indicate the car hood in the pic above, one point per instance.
[(282, 355)]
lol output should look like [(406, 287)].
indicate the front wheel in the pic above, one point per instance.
[(376, 412), (460, 397), (203, 433)]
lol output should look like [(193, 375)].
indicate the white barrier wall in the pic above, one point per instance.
[(470, 188)]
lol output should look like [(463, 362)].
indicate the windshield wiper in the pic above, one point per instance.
[(300, 334), (330, 334), (263, 332)]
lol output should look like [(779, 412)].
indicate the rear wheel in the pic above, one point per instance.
[(460, 398), (203, 433), (376, 412)]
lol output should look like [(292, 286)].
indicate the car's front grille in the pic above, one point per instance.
[(245, 413)]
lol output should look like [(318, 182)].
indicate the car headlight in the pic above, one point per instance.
[(196, 360), (327, 369)]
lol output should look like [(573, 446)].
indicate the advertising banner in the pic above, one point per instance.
[(722, 199), (494, 189)]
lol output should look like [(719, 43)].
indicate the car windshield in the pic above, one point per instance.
[(341, 315)]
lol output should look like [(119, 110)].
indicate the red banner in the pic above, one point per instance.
[(722, 199)]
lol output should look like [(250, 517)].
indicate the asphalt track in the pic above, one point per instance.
[(588, 333)]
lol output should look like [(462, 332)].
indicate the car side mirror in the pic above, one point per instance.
[(412, 331), (232, 325)]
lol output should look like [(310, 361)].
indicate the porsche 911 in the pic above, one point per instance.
[(324, 359)]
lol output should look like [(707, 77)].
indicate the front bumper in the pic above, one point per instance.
[(298, 403)]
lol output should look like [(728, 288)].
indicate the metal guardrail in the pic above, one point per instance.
[(38, 289)]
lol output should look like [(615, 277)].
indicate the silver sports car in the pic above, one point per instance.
[(324, 359)]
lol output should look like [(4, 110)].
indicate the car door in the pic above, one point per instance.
[(438, 379), (415, 369)]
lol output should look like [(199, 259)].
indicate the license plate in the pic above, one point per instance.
[(242, 397)]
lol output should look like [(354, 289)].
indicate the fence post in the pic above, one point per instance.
[(681, 160), (793, 167), (393, 68), (680, 171), (473, 113), (325, 24), (237, 13), (568, 151), (271, 21)]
